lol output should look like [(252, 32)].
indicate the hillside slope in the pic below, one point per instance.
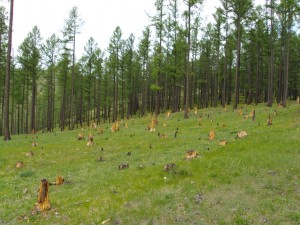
[(251, 180)]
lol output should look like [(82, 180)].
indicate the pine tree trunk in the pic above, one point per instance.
[(229, 83), (7, 75), (187, 63), (63, 104), (115, 108), (225, 79), (238, 59), (33, 102), (286, 61), (271, 66), (72, 115), (1, 96), (258, 74), (98, 102)]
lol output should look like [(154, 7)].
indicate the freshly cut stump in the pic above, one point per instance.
[(59, 180), (190, 154), (43, 197)]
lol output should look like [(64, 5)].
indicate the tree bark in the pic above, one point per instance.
[(287, 57), (187, 63), (43, 197), (33, 102), (72, 113), (271, 66), (7, 75), (238, 60)]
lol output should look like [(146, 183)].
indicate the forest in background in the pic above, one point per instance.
[(247, 55)]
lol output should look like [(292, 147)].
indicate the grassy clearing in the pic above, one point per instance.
[(254, 180)]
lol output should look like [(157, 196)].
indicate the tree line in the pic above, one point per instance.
[(247, 54)]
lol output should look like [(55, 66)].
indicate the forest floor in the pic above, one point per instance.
[(250, 180)]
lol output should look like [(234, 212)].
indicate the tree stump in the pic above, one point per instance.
[(269, 120), (59, 180), (190, 154), (169, 166), (29, 154), (43, 197), (241, 134), (168, 113), (253, 115), (115, 126), (80, 137), (123, 166), (19, 164), (90, 140), (223, 142), (100, 130), (212, 135), (154, 122), (240, 112)]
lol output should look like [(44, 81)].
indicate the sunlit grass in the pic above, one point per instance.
[(253, 180)]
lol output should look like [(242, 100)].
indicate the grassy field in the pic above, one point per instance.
[(251, 180)]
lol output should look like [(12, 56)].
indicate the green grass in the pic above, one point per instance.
[(254, 180)]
